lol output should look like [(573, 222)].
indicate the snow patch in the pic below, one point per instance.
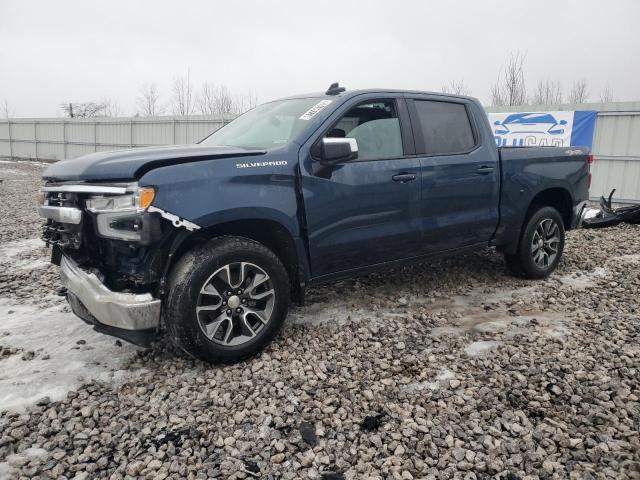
[(446, 331), (584, 280), (7, 471), (444, 376), (492, 326), (631, 258), (11, 253), (4, 172), (13, 249), (58, 362), (35, 452), (480, 347)]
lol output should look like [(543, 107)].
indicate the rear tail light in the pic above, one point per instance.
[(590, 159), (589, 162)]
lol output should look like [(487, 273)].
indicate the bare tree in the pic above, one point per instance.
[(219, 100), (510, 88), (206, 100), (225, 103), (547, 93), (82, 109), (606, 95), (215, 100), (149, 101), (456, 88), (246, 102), (7, 111), (183, 98), (579, 92), (111, 107)]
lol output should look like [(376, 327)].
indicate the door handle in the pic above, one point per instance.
[(484, 170), (404, 177)]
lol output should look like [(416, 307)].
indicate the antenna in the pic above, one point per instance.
[(335, 89)]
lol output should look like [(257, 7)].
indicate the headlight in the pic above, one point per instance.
[(122, 217), (138, 200)]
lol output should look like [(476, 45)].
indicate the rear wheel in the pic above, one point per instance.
[(541, 245), (227, 299)]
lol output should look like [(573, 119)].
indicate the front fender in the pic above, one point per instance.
[(217, 191)]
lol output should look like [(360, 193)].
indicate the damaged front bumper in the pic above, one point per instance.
[(132, 317)]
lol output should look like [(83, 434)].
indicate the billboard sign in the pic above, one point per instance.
[(539, 129)]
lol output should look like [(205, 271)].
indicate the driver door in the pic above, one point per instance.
[(365, 211)]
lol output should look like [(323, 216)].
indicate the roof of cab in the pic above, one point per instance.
[(352, 93)]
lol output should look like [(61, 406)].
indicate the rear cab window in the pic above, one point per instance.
[(443, 128)]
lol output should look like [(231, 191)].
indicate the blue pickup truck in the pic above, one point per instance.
[(212, 241)]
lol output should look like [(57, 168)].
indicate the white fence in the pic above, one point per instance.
[(55, 139), (616, 143)]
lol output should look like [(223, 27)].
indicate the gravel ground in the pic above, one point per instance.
[(450, 369)]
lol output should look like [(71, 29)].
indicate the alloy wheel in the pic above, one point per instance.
[(235, 303), (545, 243)]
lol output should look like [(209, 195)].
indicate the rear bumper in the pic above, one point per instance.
[(92, 301)]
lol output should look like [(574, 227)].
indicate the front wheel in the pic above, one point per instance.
[(541, 245), (227, 299)]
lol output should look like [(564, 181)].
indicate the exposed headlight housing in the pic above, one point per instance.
[(124, 217), (138, 200)]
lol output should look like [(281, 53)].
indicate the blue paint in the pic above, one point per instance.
[(584, 123)]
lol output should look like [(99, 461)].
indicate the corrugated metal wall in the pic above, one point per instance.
[(616, 146), (616, 143), (55, 139)]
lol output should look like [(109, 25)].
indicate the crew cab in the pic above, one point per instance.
[(210, 242)]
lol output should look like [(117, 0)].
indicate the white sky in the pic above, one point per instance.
[(61, 51)]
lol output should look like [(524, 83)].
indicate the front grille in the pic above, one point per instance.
[(62, 199), (64, 235)]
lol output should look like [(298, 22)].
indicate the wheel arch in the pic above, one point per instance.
[(268, 232), (557, 197)]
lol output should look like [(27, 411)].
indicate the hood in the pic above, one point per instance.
[(132, 163)]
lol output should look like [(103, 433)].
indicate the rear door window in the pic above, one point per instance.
[(445, 127)]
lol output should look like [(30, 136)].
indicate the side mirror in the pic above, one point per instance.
[(338, 150), (497, 122), (563, 122)]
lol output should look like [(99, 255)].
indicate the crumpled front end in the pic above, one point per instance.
[(112, 247), (134, 317)]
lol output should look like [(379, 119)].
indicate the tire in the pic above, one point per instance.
[(198, 303), (541, 245)]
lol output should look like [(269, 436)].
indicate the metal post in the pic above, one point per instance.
[(95, 136), (10, 139), (131, 133), (64, 139), (35, 137), (173, 140)]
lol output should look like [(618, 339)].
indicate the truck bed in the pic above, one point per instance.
[(525, 172)]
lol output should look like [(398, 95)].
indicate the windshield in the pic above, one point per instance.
[(269, 125)]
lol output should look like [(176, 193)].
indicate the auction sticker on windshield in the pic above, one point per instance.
[(318, 107)]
